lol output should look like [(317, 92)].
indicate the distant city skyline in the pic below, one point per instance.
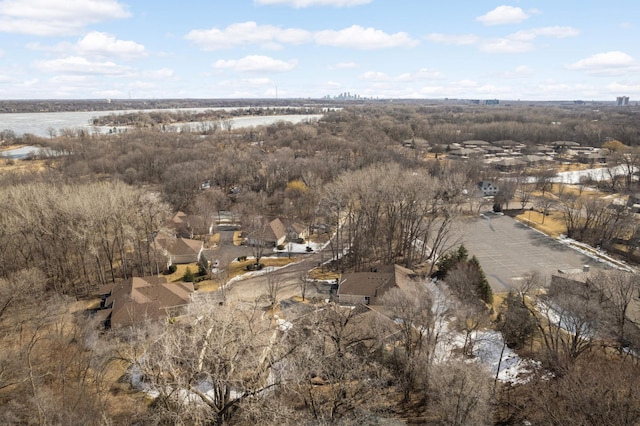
[(466, 49)]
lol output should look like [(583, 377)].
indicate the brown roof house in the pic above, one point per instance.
[(298, 230), (141, 299), (271, 235), (465, 153), (186, 226), (367, 287), (180, 250), (508, 164)]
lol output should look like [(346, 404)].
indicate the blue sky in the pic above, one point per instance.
[(480, 49)]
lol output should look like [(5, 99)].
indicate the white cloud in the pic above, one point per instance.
[(162, 73), (256, 63), (518, 42), (506, 45), (419, 75), (333, 84), (608, 63), (103, 44), (358, 37), (248, 82), (455, 39), (503, 15), (141, 85), (307, 3), (555, 32), (345, 65), (375, 76), (518, 72), (79, 65), (626, 88), (249, 32), (467, 84), (272, 37), (56, 18)]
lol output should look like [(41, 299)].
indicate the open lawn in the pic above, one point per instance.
[(11, 165), (212, 240), (553, 223), (572, 167), (323, 275), (181, 270), (208, 285), (237, 239)]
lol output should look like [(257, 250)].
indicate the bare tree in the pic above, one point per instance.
[(618, 288), (303, 283), (258, 237), (274, 282), (599, 390), (334, 377), (460, 394), (544, 204), (524, 189), (210, 363), (418, 313), (544, 179), (567, 316)]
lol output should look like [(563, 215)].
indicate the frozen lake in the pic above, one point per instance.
[(43, 123)]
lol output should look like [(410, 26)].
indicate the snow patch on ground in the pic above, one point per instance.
[(513, 369), (598, 174), (595, 253), (487, 348), (296, 248)]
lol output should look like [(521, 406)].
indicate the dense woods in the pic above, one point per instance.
[(88, 216)]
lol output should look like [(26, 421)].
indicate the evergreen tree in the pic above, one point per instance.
[(484, 289), (450, 260), (516, 323), (188, 276)]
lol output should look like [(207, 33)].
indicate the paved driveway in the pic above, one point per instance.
[(507, 250)]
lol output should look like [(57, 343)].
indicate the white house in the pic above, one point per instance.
[(488, 188)]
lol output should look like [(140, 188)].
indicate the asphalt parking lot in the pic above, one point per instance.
[(508, 250)]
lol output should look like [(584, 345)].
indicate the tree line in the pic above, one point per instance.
[(89, 216)]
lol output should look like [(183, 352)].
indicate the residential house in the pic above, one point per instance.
[(564, 145), (186, 226), (633, 202), (272, 234), (463, 153), (368, 287), (592, 158), (543, 150), (297, 230), (532, 160), (141, 299), (508, 144), (180, 250), (508, 164), (493, 151), (475, 144), (278, 234), (488, 188), (415, 143)]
